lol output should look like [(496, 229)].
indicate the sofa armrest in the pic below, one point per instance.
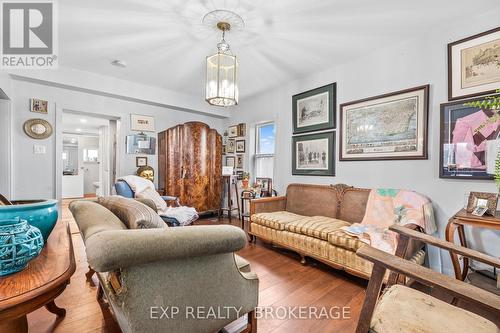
[(267, 205), (112, 250)]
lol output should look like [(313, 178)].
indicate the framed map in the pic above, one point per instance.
[(314, 110), (386, 127), (474, 65)]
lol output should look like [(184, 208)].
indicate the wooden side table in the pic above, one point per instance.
[(457, 222), (226, 182), (39, 284)]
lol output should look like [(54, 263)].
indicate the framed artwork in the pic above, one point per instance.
[(386, 127), (240, 146), (240, 161), (140, 144), (231, 146), (141, 161), (266, 186), (474, 65), (37, 128), (230, 161), (242, 129), (239, 174), (469, 141), (39, 105), (142, 123), (232, 131), (481, 203), (224, 150), (314, 110), (225, 138), (313, 154)]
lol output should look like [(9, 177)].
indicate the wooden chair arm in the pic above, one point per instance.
[(469, 253), (268, 204), (426, 276)]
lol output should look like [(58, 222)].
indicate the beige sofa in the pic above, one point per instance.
[(156, 280), (308, 219)]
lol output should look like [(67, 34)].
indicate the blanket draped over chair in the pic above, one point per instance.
[(386, 207), (144, 188)]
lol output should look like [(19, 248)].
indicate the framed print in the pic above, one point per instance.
[(39, 105), (240, 146), (230, 161), (224, 150), (314, 110), (240, 161), (231, 146), (141, 161), (266, 186), (239, 175), (482, 203), (232, 131), (242, 129), (313, 154), (142, 123), (469, 141), (386, 127), (474, 65)]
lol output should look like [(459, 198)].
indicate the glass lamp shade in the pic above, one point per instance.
[(221, 85)]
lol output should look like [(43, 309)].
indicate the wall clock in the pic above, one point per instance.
[(38, 128)]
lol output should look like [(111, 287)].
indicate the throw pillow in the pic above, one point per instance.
[(151, 194), (132, 213)]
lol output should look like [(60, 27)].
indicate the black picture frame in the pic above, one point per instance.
[(331, 89), (450, 113), (329, 158)]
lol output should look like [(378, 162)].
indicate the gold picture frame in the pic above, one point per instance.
[(483, 199), (37, 128)]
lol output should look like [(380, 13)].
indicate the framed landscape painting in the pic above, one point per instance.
[(386, 127), (314, 110), (313, 154), (474, 65), (469, 141)]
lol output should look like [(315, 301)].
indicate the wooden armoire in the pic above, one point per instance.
[(190, 165)]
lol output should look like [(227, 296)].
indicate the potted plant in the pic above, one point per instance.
[(245, 180)]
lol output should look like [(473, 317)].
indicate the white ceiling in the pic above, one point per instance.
[(165, 45)]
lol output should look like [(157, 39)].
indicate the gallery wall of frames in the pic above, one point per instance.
[(394, 125)]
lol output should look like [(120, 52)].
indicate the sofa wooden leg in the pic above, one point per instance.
[(100, 293), (252, 322), (302, 259), (89, 274)]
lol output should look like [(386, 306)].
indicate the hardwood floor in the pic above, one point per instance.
[(283, 282)]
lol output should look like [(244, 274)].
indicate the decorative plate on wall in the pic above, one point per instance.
[(38, 128)]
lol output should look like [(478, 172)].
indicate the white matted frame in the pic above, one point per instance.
[(142, 123)]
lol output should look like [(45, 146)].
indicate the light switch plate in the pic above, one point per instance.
[(38, 149)]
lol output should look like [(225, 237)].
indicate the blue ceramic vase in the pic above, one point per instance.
[(39, 213), (19, 243)]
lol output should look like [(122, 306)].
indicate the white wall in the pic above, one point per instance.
[(416, 62), (34, 175)]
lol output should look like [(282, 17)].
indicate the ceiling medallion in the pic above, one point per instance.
[(221, 75)]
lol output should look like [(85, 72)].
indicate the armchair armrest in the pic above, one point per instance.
[(115, 249), (267, 205), (171, 198), (469, 253), (426, 276)]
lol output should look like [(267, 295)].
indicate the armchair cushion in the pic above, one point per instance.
[(132, 213), (402, 309)]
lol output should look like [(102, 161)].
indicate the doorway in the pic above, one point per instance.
[(88, 154)]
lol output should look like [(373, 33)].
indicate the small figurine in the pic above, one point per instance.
[(146, 172)]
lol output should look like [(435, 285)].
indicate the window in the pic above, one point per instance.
[(90, 155), (264, 150)]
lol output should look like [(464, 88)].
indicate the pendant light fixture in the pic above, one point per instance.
[(222, 68)]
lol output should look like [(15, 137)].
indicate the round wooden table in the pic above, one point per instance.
[(39, 284)]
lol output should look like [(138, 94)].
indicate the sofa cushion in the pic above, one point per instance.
[(341, 239), (316, 226), (402, 309), (275, 220), (92, 218), (133, 214)]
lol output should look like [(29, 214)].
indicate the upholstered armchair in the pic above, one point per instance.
[(155, 280)]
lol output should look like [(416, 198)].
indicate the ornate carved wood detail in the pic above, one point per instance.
[(339, 192)]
